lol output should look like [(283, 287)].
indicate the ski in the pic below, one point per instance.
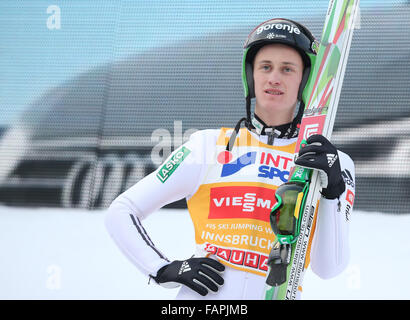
[(300, 196)]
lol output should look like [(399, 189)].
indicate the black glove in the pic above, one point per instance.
[(195, 273), (321, 154)]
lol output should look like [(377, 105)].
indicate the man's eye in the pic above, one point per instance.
[(266, 68), (287, 69)]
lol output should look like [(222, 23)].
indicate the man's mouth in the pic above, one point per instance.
[(274, 92)]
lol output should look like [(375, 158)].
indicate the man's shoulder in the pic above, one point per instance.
[(207, 135)]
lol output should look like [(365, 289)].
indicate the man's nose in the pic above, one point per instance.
[(274, 78)]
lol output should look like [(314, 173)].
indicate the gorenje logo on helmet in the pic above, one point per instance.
[(278, 26)]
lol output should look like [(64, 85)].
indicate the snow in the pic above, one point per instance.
[(48, 253)]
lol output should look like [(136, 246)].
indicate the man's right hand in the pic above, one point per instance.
[(199, 274)]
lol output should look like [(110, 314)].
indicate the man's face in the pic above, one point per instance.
[(277, 75)]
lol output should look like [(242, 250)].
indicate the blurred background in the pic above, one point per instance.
[(94, 95)]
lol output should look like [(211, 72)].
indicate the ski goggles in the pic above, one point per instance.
[(286, 213)]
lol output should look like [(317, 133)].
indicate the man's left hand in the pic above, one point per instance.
[(320, 154)]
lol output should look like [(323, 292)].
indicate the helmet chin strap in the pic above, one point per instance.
[(297, 120), (248, 124), (257, 125), (261, 128)]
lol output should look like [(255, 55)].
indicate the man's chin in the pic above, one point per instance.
[(269, 109)]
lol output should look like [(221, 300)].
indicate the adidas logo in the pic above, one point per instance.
[(184, 267), (331, 158), (348, 178)]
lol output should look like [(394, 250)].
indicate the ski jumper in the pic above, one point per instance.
[(229, 197)]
